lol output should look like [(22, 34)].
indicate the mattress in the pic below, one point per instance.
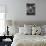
[(28, 40)]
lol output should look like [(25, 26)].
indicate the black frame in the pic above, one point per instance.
[(30, 8)]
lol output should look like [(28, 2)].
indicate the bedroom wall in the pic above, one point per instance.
[(20, 9), (16, 10)]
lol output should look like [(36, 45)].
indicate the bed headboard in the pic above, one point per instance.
[(21, 23)]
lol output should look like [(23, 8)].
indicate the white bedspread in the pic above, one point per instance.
[(29, 40)]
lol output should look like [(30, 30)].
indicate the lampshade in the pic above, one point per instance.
[(9, 22)]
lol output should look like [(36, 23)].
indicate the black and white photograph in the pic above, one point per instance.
[(30, 9)]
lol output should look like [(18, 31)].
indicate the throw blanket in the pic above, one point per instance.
[(29, 40)]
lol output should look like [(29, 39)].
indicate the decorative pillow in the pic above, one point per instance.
[(44, 29), (23, 30), (28, 26), (28, 31), (36, 30), (13, 30)]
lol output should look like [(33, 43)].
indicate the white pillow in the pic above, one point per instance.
[(24, 30), (28, 26), (44, 30), (28, 31), (44, 27), (36, 30), (13, 30), (21, 30)]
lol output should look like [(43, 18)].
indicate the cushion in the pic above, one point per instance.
[(44, 29), (28, 26), (36, 30), (13, 30), (28, 31), (21, 30), (44, 26), (24, 30)]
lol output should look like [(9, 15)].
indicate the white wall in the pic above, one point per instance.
[(17, 10)]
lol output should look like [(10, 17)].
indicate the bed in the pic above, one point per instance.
[(28, 40)]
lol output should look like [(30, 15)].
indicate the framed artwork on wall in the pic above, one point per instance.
[(30, 8)]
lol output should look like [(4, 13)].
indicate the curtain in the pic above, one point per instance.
[(2, 19)]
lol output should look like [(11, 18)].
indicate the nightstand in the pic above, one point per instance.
[(7, 43), (4, 40)]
